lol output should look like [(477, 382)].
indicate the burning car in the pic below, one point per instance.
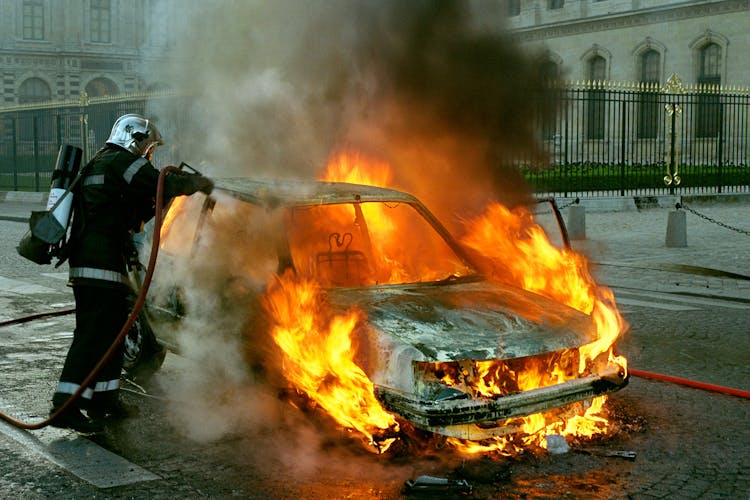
[(382, 316)]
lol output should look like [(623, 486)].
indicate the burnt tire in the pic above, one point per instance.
[(143, 355)]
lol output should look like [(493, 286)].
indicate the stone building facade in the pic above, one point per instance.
[(702, 41), (55, 49)]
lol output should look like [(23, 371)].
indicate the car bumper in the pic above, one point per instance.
[(469, 418)]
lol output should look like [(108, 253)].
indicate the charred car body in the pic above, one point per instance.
[(437, 330)]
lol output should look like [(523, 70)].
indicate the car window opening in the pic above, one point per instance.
[(369, 243)]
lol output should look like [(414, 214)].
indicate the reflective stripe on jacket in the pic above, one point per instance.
[(115, 196)]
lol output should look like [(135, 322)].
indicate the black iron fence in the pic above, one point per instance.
[(645, 139), (605, 138), (31, 135)]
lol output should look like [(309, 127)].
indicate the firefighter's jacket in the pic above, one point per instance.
[(116, 195)]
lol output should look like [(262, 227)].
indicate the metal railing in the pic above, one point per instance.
[(604, 138), (31, 134), (644, 139)]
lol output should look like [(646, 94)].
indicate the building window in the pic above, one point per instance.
[(555, 4), (101, 21), (648, 109), (100, 87), (595, 99), (159, 23), (550, 73), (514, 7), (709, 112), (33, 20), (34, 90)]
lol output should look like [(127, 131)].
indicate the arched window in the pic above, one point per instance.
[(651, 66), (648, 110), (33, 90), (709, 112), (550, 71), (597, 68), (101, 86), (710, 70), (595, 99)]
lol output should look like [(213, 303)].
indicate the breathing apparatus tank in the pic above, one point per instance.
[(47, 229), (66, 169)]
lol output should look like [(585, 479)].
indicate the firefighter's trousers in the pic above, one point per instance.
[(100, 314)]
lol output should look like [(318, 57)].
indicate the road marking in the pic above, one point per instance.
[(78, 455), (654, 305), (630, 297), (57, 276), (22, 287)]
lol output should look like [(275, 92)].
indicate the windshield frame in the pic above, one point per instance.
[(423, 213)]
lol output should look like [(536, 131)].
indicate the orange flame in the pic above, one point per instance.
[(517, 251), (514, 250), (176, 232), (319, 356), (350, 166)]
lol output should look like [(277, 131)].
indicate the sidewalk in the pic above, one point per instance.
[(625, 242), (17, 205), (628, 249)]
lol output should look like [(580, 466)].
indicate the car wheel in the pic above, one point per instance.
[(143, 354)]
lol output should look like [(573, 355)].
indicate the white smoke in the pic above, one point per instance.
[(272, 89)]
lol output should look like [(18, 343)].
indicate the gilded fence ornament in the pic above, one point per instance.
[(673, 85), (83, 117), (672, 122)]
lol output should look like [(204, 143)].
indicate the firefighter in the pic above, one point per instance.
[(115, 197)]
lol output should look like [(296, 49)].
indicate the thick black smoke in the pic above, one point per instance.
[(435, 87)]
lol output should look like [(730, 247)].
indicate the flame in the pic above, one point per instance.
[(513, 249), (353, 167), (176, 231), (516, 250), (319, 356)]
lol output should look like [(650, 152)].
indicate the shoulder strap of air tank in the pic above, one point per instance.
[(69, 189)]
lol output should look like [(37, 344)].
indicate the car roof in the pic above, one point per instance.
[(301, 193)]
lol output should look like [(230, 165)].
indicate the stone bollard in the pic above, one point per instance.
[(676, 229), (577, 222)]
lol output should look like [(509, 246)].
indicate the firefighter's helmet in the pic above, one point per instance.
[(136, 134)]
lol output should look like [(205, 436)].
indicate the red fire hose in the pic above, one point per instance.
[(140, 300), (32, 317), (691, 383)]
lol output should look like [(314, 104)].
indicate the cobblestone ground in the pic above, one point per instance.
[(689, 443)]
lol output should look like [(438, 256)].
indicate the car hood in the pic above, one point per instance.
[(476, 320)]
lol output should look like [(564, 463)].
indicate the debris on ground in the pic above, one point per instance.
[(432, 484), (601, 452)]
